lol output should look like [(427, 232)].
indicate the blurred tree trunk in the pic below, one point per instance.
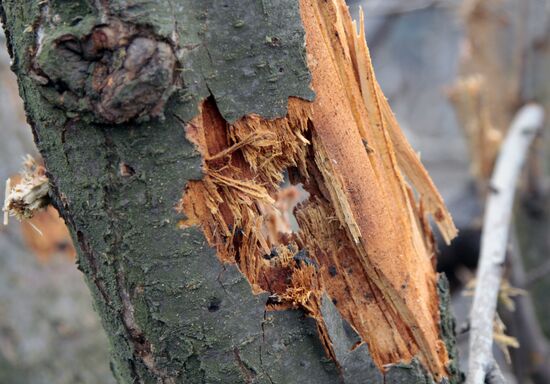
[(506, 65), (167, 127), (533, 215)]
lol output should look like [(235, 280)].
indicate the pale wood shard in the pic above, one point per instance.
[(492, 51), (29, 194), (408, 162), (483, 138), (363, 237), (492, 68)]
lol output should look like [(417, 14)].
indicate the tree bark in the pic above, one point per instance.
[(166, 128)]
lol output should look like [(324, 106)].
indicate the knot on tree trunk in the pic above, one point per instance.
[(117, 72)]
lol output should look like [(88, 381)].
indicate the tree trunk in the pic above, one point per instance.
[(167, 128)]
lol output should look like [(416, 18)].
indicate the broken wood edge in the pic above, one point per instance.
[(304, 291), (407, 160), (29, 195), (342, 40), (494, 241), (257, 186), (416, 331)]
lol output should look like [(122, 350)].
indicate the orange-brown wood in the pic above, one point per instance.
[(367, 188)]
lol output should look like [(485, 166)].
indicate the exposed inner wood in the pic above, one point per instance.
[(363, 238)]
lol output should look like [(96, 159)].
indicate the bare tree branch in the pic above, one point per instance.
[(494, 239)]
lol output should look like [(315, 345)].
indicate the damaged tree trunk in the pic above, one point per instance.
[(167, 127)]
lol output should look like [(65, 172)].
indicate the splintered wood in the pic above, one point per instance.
[(363, 237), (29, 195)]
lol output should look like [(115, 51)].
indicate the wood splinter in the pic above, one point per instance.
[(28, 196)]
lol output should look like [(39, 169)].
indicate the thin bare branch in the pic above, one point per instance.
[(496, 227)]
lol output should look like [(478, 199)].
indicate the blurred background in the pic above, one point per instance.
[(454, 71)]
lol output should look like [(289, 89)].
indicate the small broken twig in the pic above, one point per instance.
[(494, 240), (29, 195)]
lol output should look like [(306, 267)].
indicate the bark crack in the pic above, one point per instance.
[(248, 372), (142, 348), (261, 349)]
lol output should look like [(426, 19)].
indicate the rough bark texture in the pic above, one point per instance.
[(134, 102)]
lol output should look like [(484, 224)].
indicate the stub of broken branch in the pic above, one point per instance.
[(363, 239), (29, 195), (494, 241)]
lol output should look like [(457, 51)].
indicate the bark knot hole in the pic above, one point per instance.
[(118, 72), (214, 304)]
